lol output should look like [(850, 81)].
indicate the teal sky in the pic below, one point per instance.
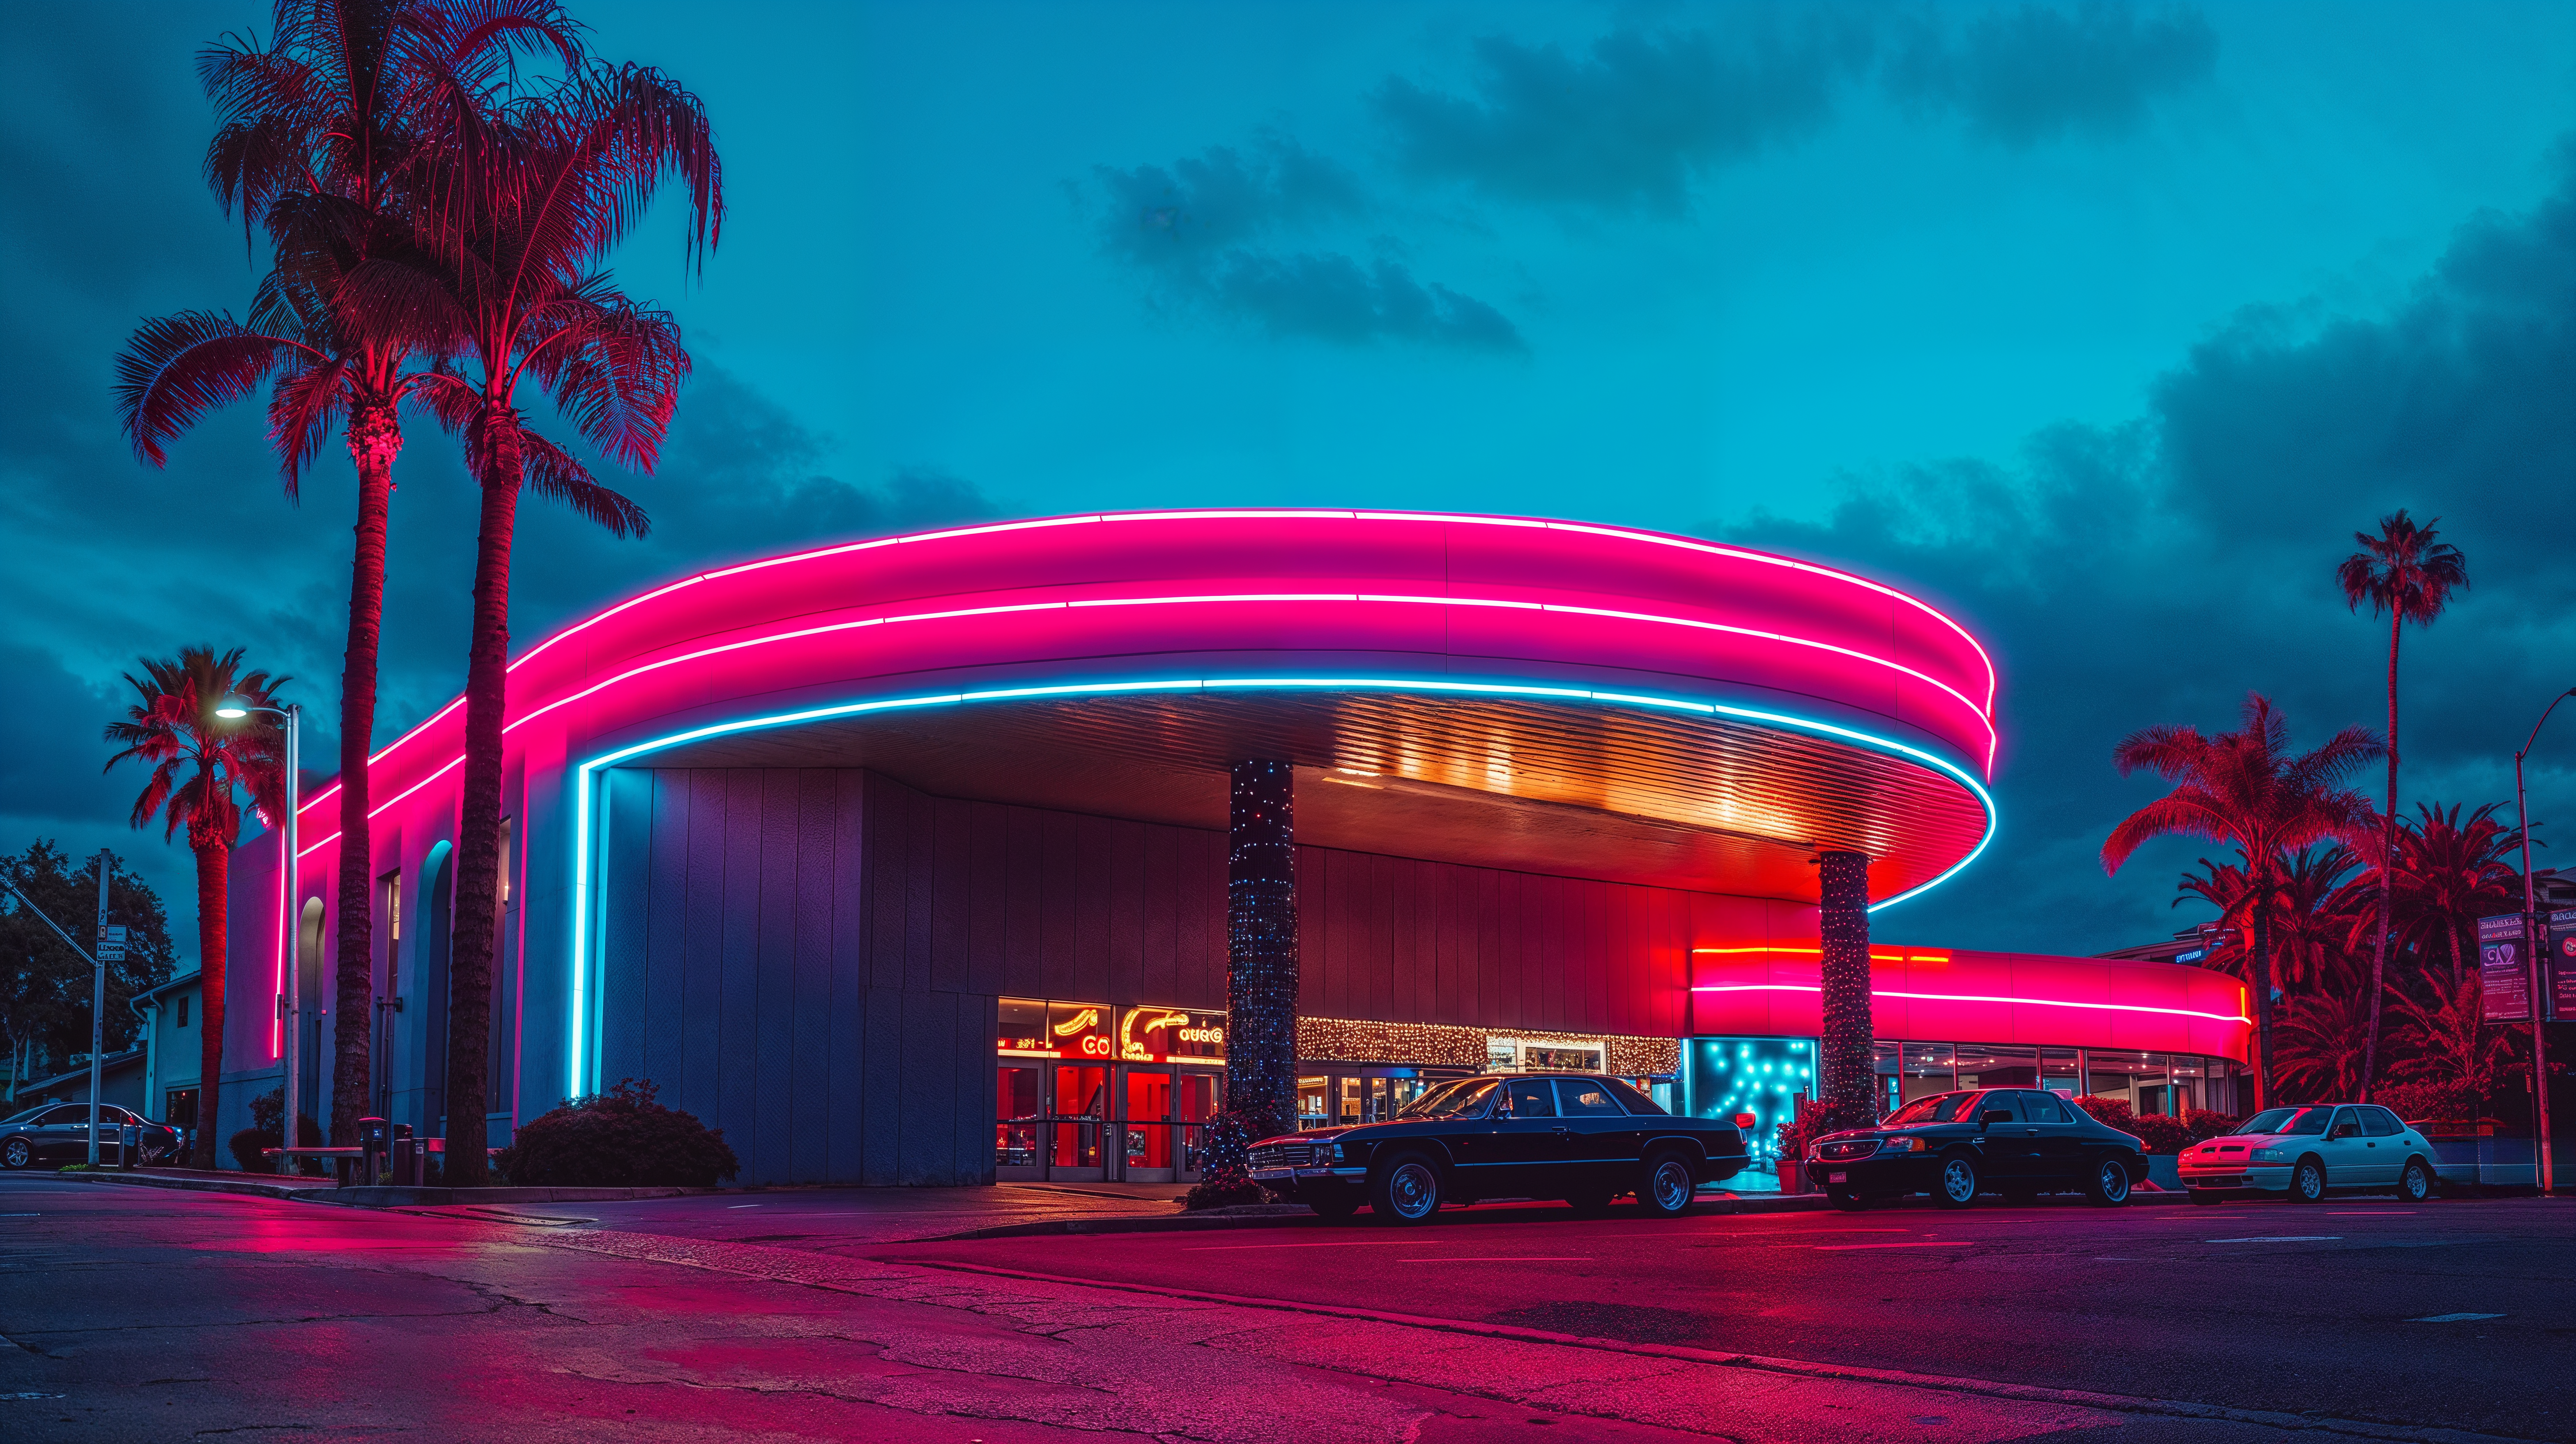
[(2104, 326)]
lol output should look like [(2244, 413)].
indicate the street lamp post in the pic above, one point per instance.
[(291, 1003), (2534, 938)]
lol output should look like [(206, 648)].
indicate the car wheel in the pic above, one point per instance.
[(1589, 1203), (2415, 1184), (17, 1152), (1846, 1199), (1668, 1187), (2308, 1182), (1957, 1183), (2109, 1185), (2207, 1196), (1406, 1192), (1336, 1208)]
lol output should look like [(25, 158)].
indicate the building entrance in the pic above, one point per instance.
[(1091, 1093)]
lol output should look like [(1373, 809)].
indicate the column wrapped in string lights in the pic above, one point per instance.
[(1261, 946), (1846, 1086)]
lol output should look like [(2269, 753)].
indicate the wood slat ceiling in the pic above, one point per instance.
[(1583, 791)]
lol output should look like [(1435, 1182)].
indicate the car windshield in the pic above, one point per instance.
[(1450, 1099), (2285, 1120), (1936, 1109)]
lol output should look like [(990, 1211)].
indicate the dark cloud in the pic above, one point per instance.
[(2155, 572), (1217, 231), (2037, 72), (1629, 123), (1633, 121)]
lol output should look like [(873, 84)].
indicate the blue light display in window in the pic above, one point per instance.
[(1722, 1077)]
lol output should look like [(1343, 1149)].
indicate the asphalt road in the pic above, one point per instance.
[(133, 1313), (2254, 1305)]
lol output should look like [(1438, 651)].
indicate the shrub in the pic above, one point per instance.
[(267, 1124), (619, 1139), (2203, 1123), (1225, 1171), (1793, 1137), (2429, 1101), (2158, 1132)]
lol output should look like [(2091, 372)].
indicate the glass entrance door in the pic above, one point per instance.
[(1078, 1142), (1019, 1118)]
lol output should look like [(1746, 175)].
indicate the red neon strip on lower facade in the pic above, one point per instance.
[(1972, 998)]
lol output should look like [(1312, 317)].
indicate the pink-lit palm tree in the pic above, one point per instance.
[(523, 202), (201, 764), (2408, 573), (315, 127), (2247, 788)]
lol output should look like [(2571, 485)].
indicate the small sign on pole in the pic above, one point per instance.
[(111, 943), (2504, 974), (2560, 965)]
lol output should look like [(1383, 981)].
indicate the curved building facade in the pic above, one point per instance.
[(905, 860)]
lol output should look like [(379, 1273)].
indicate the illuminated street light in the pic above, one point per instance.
[(290, 1001)]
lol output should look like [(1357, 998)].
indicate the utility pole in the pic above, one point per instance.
[(98, 1004)]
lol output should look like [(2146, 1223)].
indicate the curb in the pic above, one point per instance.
[(1287, 1215), (376, 1196)]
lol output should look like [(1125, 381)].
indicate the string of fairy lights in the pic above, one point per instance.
[(1846, 1085), (1261, 945)]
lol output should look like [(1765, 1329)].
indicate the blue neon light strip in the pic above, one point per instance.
[(581, 900)]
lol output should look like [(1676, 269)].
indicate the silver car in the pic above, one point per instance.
[(2307, 1151)]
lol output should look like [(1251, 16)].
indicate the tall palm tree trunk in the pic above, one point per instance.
[(375, 438), (214, 865), (2387, 872), (2262, 1008), (478, 845)]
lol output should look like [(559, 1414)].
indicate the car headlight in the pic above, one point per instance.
[(2268, 1155), (1900, 1145)]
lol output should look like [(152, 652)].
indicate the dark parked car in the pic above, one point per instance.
[(2018, 1142), (59, 1133), (1575, 1136)]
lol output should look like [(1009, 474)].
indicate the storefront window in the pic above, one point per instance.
[(1766, 1077), (1154, 1035), (1080, 1030), (1883, 1072), (2061, 1071), (1997, 1065), (1929, 1068), (1024, 1028), (1310, 1103)]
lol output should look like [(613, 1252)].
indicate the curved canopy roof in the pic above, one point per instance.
[(1552, 696)]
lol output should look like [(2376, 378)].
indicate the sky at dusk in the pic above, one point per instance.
[(2101, 326)]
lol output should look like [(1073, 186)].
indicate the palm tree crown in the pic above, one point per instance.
[(2247, 788), (200, 763)]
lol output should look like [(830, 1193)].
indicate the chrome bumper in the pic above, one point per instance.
[(1283, 1175)]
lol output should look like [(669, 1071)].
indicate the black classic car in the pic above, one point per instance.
[(1575, 1136), (59, 1133), (2019, 1142)]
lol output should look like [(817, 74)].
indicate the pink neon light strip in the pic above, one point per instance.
[(1973, 998), (1204, 599)]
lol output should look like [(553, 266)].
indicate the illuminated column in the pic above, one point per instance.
[(1845, 1083), (1261, 946)]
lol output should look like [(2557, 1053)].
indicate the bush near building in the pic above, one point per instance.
[(2160, 1132), (619, 1139)]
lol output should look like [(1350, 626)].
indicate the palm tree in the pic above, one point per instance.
[(2446, 876), (2312, 912), (2324, 1041), (2408, 573), (525, 201), (2245, 787), (316, 125), (198, 761), (2446, 1039)]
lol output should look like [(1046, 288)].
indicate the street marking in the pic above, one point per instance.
[(729, 1207), (1337, 1243), (2281, 1238), (2452, 1318), (1507, 1258), (1922, 1243), (2376, 1213), (21, 1215)]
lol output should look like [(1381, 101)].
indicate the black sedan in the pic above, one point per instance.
[(59, 1133), (2018, 1142), (1575, 1136)]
